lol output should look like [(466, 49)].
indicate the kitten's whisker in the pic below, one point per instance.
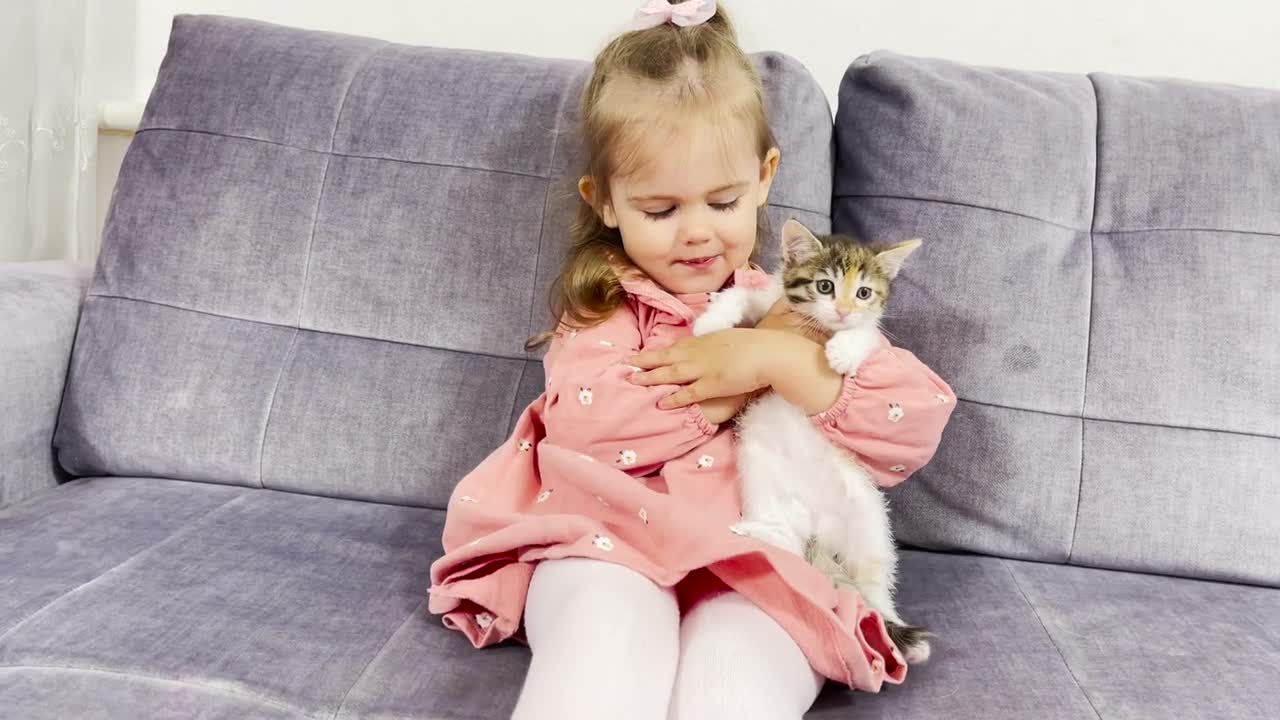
[(886, 333)]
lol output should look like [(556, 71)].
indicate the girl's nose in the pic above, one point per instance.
[(696, 229)]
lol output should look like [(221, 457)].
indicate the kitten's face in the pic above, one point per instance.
[(839, 283)]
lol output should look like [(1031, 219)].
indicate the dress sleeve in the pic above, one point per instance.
[(593, 408), (890, 414)]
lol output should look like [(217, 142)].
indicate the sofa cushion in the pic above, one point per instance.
[(43, 693), (270, 597), (40, 304), (325, 253), (161, 598), (1145, 646), (1098, 285), (991, 657), (64, 539)]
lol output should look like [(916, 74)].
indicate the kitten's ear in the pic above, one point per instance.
[(798, 243), (892, 258)]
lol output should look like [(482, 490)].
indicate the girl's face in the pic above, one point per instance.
[(688, 216)]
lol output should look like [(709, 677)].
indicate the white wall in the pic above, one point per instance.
[(1220, 40), (1223, 40)]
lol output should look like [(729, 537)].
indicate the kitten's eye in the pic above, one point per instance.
[(826, 287), (864, 293)]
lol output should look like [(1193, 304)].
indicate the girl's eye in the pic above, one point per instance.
[(661, 214), (726, 206), (826, 287), (864, 293)]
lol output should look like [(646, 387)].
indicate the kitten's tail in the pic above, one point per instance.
[(911, 640)]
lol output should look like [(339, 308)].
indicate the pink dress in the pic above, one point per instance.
[(594, 469)]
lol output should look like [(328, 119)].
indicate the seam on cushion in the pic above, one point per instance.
[(354, 156), (515, 396), (188, 529), (959, 203), (494, 356), (542, 222), (311, 239), (163, 679), (459, 351), (324, 177), (385, 643), (1136, 231), (785, 206), (537, 263), (271, 405), (1093, 418), (1092, 231), (1093, 279), (1049, 635)]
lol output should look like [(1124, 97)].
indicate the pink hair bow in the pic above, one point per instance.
[(657, 12)]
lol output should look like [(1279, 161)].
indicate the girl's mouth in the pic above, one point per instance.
[(699, 263)]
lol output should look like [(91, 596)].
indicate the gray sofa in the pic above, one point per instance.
[(306, 323)]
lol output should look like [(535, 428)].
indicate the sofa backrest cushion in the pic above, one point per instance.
[(1100, 282), (325, 253)]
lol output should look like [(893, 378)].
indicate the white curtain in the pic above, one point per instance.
[(48, 132)]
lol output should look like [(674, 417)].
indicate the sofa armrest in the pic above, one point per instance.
[(39, 311)]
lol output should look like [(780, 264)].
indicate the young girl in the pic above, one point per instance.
[(606, 522)]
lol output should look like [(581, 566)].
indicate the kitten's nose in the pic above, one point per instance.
[(842, 313)]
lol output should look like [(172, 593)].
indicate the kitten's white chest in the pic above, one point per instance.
[(805, 465)]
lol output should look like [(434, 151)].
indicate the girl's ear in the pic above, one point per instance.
[(768, 170), (589, 192)]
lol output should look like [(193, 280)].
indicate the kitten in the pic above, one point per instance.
[(799, 492)]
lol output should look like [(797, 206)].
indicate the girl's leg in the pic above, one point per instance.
[(605, 643), (737, 663)]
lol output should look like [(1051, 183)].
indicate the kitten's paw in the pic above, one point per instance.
[(714, 320), (845, 352)]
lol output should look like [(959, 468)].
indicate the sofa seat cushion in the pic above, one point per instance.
[(149, 597), (1146, 646), (66, 537), (237, 602)]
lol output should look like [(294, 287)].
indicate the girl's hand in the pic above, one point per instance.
[(781, 317), (724, 364), (718, 411)]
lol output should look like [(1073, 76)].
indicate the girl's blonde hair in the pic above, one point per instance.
[(681, 73)]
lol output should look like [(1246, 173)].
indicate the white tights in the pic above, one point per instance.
[(609, 643)]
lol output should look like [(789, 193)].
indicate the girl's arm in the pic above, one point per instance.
[(796, 368), (890, 414), (780, 317), (592, 407)]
